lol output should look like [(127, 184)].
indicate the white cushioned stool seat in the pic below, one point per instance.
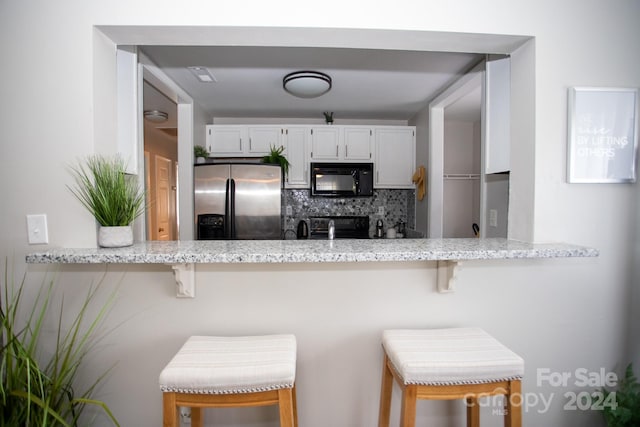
[(222, 365), (448, 364), (242, 371), (450, 356)]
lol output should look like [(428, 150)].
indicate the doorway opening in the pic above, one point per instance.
[(161, 167)]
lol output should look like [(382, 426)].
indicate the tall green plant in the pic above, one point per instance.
[(103, 187), (35, 393), (626, 411)]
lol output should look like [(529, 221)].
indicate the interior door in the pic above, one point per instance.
[(163, 167)]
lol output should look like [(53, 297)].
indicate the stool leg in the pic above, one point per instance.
[(169, 410), (295, 406), (285, 403), (385, 394), (196, 417), (513, 415), (473, 412), (408, 409)]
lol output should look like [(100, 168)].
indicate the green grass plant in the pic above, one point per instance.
[(103, 187), (625, 410), (36, 392), (200, 151), (276, 157)]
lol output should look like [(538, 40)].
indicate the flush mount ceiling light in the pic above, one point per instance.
[(156, 116), (306, 84)]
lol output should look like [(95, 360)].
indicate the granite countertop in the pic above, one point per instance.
[(297, 251)]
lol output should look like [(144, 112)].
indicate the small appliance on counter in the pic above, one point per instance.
[(391, 233), (344, 227), (303, 230), (379, 229)]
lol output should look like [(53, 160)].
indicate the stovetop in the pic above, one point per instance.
[(346, 227)]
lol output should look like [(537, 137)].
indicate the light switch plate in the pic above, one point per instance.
[(37, 231)]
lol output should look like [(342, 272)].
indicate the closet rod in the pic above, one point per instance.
[(467, 176)]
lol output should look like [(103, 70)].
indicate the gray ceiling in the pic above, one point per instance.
[(367, 84)]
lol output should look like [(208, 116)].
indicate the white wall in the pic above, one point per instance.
[(558, 314), (461, 202)]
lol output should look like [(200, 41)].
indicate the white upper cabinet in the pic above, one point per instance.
[(242, 140), (262, 138), (497, 116), (341, 144), (392, 149), (295, 139), (227, 141), (358, 143), (325, 143), (395, 157)]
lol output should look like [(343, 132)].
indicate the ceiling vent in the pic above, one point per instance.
[(202, 74)]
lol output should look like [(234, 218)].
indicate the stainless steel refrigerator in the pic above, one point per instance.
[(237, 201)]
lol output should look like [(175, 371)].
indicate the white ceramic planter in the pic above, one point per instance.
[(115, 237)]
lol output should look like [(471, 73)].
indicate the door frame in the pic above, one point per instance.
[(150, 72), (467, 83)]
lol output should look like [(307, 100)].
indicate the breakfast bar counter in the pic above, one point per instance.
[(297, 251), (182, 256)]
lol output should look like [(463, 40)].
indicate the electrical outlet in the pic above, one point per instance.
[(289, 210), (37, 229), (185, 416), (493, 217), (380, 210)]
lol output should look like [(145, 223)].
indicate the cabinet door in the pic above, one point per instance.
[(262, 138), (395, 157), (296, 142), (325, 143), (357, 143), (497, 116), (226, 141)]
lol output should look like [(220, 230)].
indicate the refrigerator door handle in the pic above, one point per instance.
[(231, 208), (228, 210)]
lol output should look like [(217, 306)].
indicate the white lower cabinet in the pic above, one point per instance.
[(395, 157), (295, 139)]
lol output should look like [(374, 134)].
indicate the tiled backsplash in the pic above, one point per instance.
[(399, 205)]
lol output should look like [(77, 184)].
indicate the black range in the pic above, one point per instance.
[(346, 227)]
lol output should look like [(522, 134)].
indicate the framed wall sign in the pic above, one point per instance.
[(603, 135)]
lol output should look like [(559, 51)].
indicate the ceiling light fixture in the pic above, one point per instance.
[(202, 74), (156, 116), (306, 84)]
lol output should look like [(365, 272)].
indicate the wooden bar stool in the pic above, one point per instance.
[(446, 364), (210, 372)]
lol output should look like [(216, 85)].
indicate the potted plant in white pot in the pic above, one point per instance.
[(112, 197), (200, 153)]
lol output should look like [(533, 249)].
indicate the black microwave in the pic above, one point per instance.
[(341, 179)]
